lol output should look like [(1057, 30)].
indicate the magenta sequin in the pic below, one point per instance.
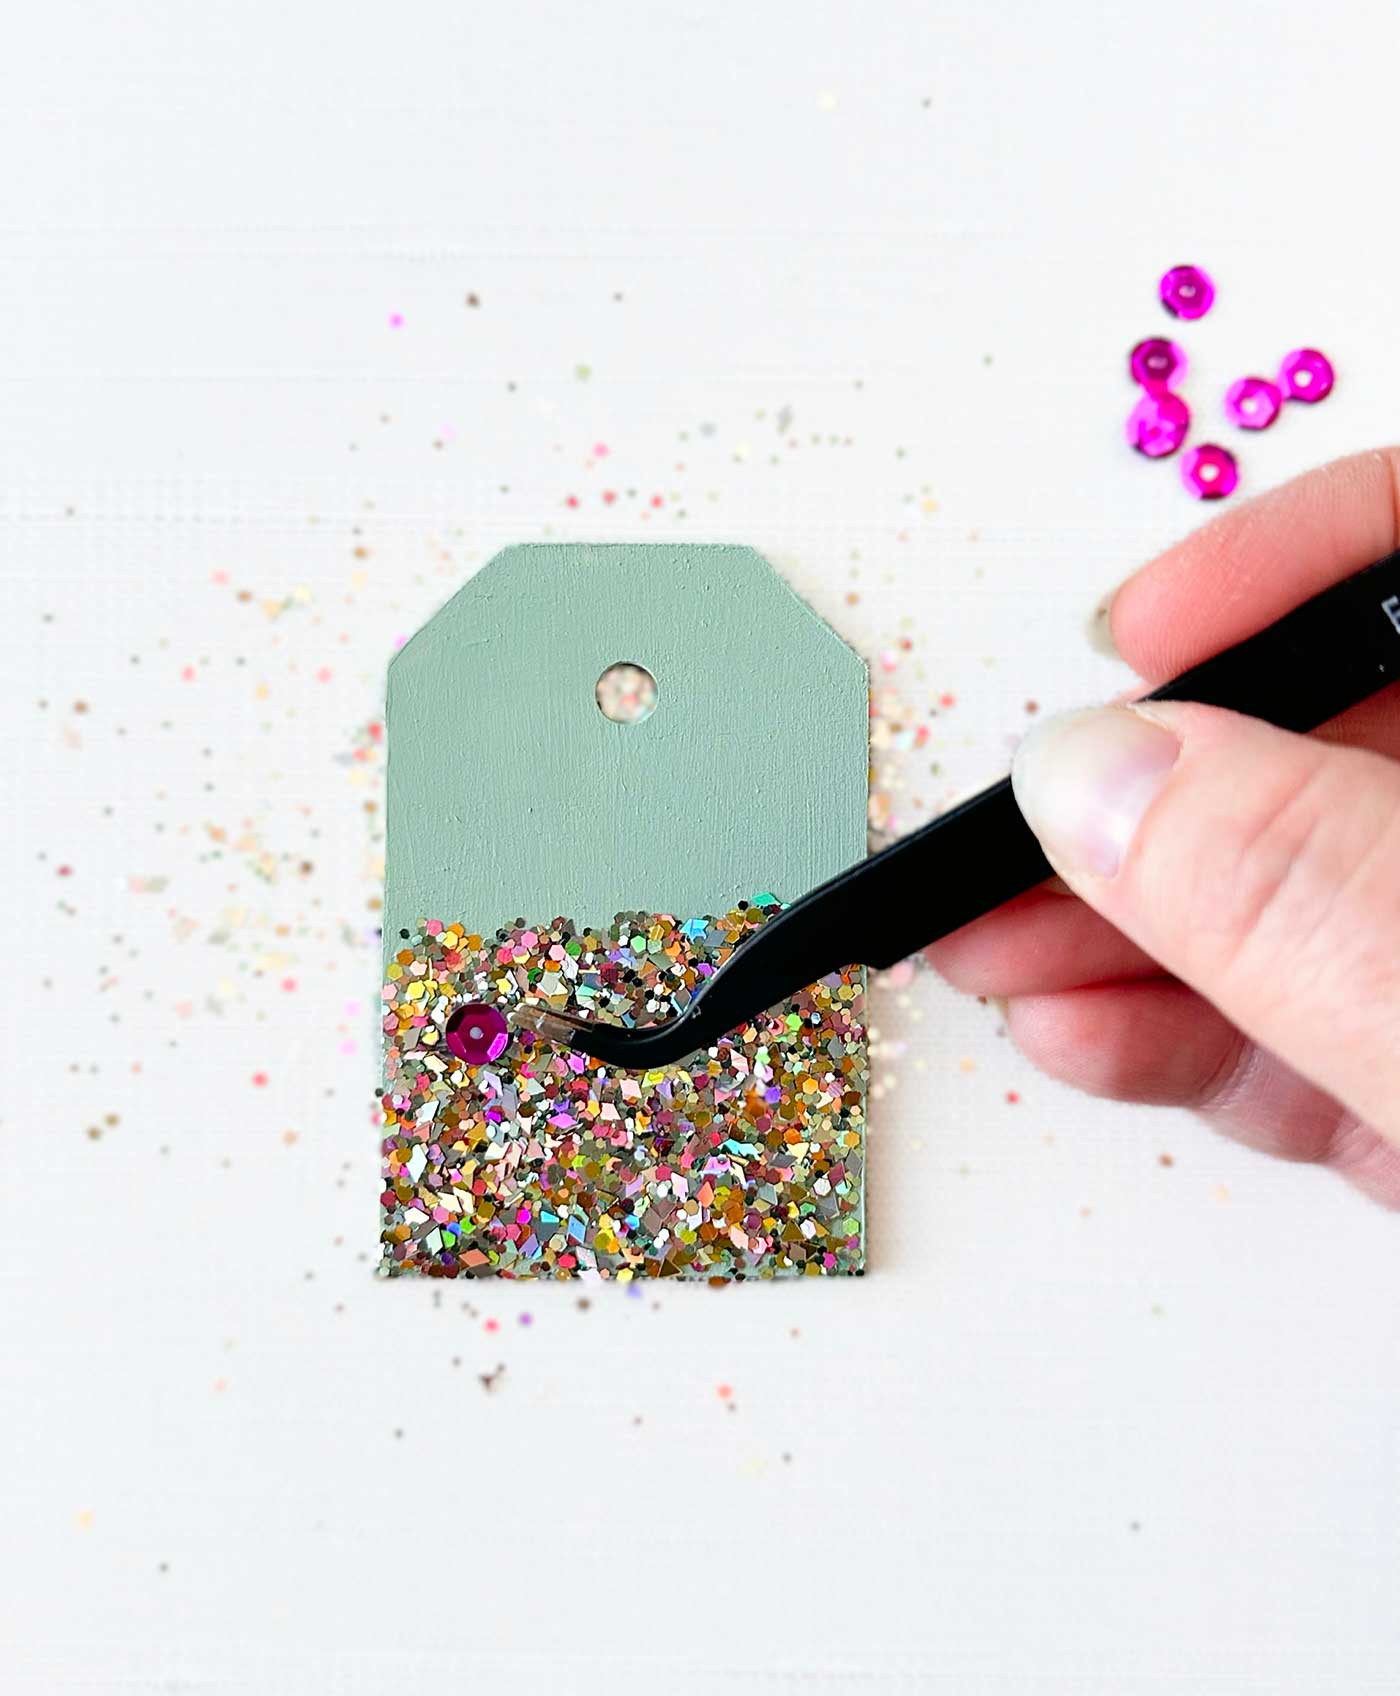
[(1306, 374), (1157, 363), (1209, 472), (477, 1033), (1187, 292), (1253, 403), (1157, 425)]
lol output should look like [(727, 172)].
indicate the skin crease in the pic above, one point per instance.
[(1289, 1040)]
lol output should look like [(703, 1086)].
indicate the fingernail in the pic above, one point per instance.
[(1084, 781), (1100, 628)]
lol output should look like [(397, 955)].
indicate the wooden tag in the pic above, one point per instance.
[(512, 800)]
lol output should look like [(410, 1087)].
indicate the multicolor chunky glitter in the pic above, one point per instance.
[(746, 1161)]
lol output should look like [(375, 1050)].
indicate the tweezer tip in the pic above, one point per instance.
[(553, 1027)]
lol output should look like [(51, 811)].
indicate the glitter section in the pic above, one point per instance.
[(746, 1161)]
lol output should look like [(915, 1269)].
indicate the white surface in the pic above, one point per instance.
[(1092, 1425)]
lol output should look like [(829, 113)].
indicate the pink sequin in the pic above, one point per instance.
[(1187, 292), (1157, 425), (1306, 374), (477, 1033), (1253, 403), (1157, 363), (1209, 472)]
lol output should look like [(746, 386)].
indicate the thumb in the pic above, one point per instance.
[(1262, 869)]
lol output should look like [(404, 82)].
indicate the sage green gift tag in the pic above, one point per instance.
[(540, 849)]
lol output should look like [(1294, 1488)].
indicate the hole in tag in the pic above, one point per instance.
[(626, 693)]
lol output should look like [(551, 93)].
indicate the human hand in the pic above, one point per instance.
[(1226, 934)]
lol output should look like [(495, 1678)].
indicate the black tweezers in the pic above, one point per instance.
[(1325, 656)]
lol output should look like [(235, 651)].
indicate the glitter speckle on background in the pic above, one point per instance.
[(744, 1161)]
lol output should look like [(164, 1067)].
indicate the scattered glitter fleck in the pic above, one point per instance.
[(1253, 403), (396, 320), (583, 372), (1209, 472), (1157, 425), (1165, 1160), (1306, 375), (745, 1162), (1012, 1097), (1187, 292), (724, 1391), (1157, 363)]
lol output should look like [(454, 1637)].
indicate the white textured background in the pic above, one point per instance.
[(854, 284)]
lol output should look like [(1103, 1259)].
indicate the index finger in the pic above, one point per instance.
[(1256, 563)]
